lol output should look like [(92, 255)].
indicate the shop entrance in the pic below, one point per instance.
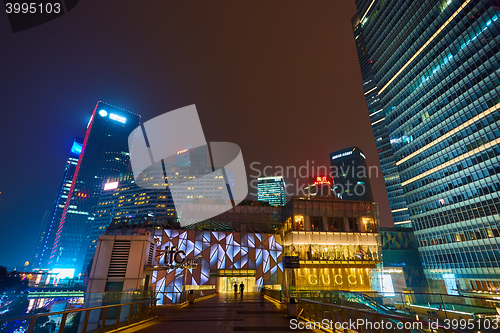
[(226, 284), (226, 278)]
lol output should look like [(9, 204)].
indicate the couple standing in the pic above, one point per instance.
[(242, 287)]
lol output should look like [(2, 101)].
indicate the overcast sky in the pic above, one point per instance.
[(278, 78)]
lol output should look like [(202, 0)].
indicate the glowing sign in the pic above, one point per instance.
[(182, 151), (63, 273), (347, 153), (103, 113), (110, 186), (387, 286), (76, 149), (90, 120), (322, 181), (116, 117)]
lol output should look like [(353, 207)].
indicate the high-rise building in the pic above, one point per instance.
[(272, 190), (351, 176), (390, 172), (435, 65), (51, 220), (121, 198), (104, 153)]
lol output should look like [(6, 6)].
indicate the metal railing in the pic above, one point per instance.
[(97, 319), (339, 318), (274, 293), (180, 297), (446, 306)]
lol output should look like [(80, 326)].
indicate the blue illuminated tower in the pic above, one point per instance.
[(104, 153), (51, 220)]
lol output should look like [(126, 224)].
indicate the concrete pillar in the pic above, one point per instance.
[(307, 223), (325, 223)]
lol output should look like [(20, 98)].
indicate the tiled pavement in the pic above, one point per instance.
[(219, 314)]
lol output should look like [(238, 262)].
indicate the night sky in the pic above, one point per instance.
[(278, 78)]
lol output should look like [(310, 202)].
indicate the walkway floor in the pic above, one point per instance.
[(219, 314)]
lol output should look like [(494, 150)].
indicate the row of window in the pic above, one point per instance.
[(464, 236), (464, 213)]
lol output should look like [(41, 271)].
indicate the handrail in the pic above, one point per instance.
[(377, 315), (33, 318)]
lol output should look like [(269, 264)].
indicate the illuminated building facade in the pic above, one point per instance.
[(51, 220), (400, 254), (337, 242), (272, 190), (390, 172), (351, 176), (104, 153), (322, 187), (435, 66)]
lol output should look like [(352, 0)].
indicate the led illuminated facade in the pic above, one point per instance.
[(337, 242), (351, 176), (272, 190), (390, 172), (51, 220), (104, 153), (435, 68)]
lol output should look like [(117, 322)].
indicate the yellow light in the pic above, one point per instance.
[(453, 161), (426, 43), (450, 133), (378, 121), (370, 6)]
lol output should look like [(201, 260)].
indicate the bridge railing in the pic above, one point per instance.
[(180, 297), (342, 319), (90, 319)]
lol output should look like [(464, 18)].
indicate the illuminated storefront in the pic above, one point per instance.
[(337, 242)]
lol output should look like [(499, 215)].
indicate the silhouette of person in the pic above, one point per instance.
[(242, 287), (235, 287)]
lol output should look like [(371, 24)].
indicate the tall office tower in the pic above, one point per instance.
[(390, 172), (104, 153), (435, 66), (351, 176), (51, 220), (272, 190)]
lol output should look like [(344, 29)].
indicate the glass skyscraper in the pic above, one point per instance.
[(351, 176), (390, 172), (271, 190), (104, 153), (435, 66), (51, 220)]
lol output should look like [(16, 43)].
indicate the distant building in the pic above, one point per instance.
[(351, 175), (104, 153), (272, 190), (51, 220)]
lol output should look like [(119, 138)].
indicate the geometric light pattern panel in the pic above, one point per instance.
[(218, 250)]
